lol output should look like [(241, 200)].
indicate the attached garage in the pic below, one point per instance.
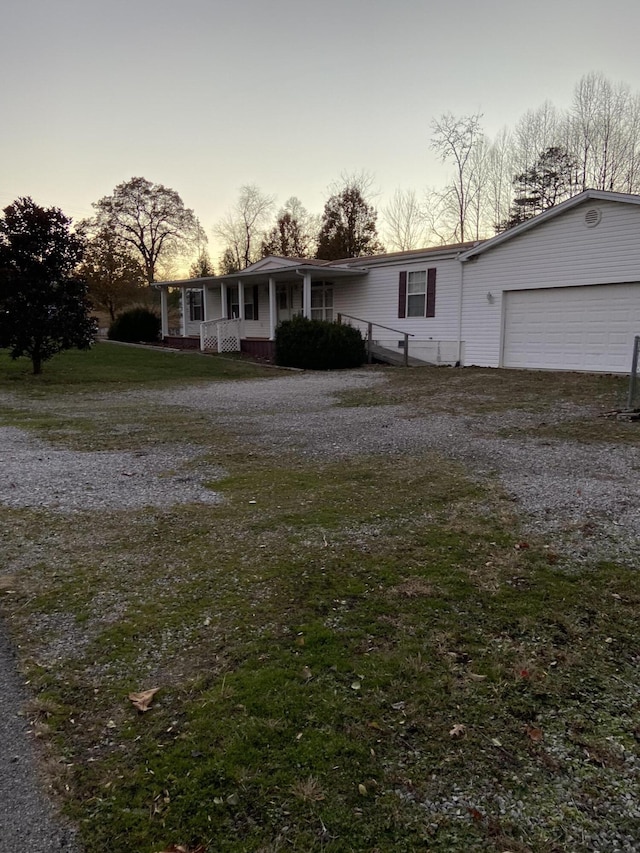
[(572, 328), (560, 291)]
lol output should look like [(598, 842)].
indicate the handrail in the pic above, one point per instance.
[(379, 325), (370, 325)]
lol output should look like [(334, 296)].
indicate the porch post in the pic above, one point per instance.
[(205, 296), (164, 311), (273, 309), (240, 299), (306, 296), (185, 306), (224, 313)]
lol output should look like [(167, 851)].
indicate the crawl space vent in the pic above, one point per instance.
[(592, 217)]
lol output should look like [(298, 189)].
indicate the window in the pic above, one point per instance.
[(196, 313), (322, 301), (417, 293), (250, 302)]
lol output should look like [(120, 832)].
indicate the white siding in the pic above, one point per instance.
[(562, 252), (374, 298)]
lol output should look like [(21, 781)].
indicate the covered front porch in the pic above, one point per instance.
[(241, 311)]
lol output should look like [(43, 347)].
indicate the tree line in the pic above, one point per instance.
[(548, 157)]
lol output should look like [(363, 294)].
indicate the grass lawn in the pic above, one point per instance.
[(116, 366), (352, 656)]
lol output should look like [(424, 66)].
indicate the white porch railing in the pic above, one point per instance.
[(220, 335)]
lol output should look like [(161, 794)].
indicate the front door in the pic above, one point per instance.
[(289, 301)]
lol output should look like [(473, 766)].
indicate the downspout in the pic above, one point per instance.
[(459, 360)]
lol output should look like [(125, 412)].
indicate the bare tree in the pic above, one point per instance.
[(151, 220), (455, 139), (404, 221), (242, 229), (604, 120), (500, 172)]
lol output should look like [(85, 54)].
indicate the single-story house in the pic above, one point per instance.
[(560, 291)]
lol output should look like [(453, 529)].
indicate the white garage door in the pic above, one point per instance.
[(572, 328)]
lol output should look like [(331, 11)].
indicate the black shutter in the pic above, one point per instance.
[(402, 294), (255, 301), (431, 293)]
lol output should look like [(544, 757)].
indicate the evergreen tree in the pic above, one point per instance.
[(43, 308), (549, 181), (348, 228)]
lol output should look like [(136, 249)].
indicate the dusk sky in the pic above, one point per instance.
[(207, 95)]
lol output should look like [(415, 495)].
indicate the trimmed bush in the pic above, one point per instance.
[(318, 345), (138, 324)]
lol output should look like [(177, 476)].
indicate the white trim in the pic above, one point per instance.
[(184, 301), (306, 296), (164, 311), (223, 300), (273, 309), (240, 299)]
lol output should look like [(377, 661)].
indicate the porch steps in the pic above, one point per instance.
[(395, 358)]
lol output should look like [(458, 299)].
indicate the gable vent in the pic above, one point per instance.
[(592, 217)]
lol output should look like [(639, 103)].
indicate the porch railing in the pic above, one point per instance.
[(221, 335), (369, 338)]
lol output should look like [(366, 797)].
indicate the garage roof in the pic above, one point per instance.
[(587, 195)]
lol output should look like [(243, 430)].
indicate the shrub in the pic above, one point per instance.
[(138, 324), (318, 345)]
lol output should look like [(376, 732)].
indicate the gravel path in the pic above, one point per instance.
[(27, 821), (583, 499), (35, 475)]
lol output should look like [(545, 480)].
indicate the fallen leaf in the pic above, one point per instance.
[(535, 734), (355, 685), (142, 701), (179, 848), (363, 789), (175, 848), (306, 673), (7, 583), (458, 730), (521, 546)]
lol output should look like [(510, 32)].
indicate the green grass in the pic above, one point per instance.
[(113, 366), (315, 651)]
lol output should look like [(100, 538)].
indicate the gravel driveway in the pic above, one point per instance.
[(560, 489)]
